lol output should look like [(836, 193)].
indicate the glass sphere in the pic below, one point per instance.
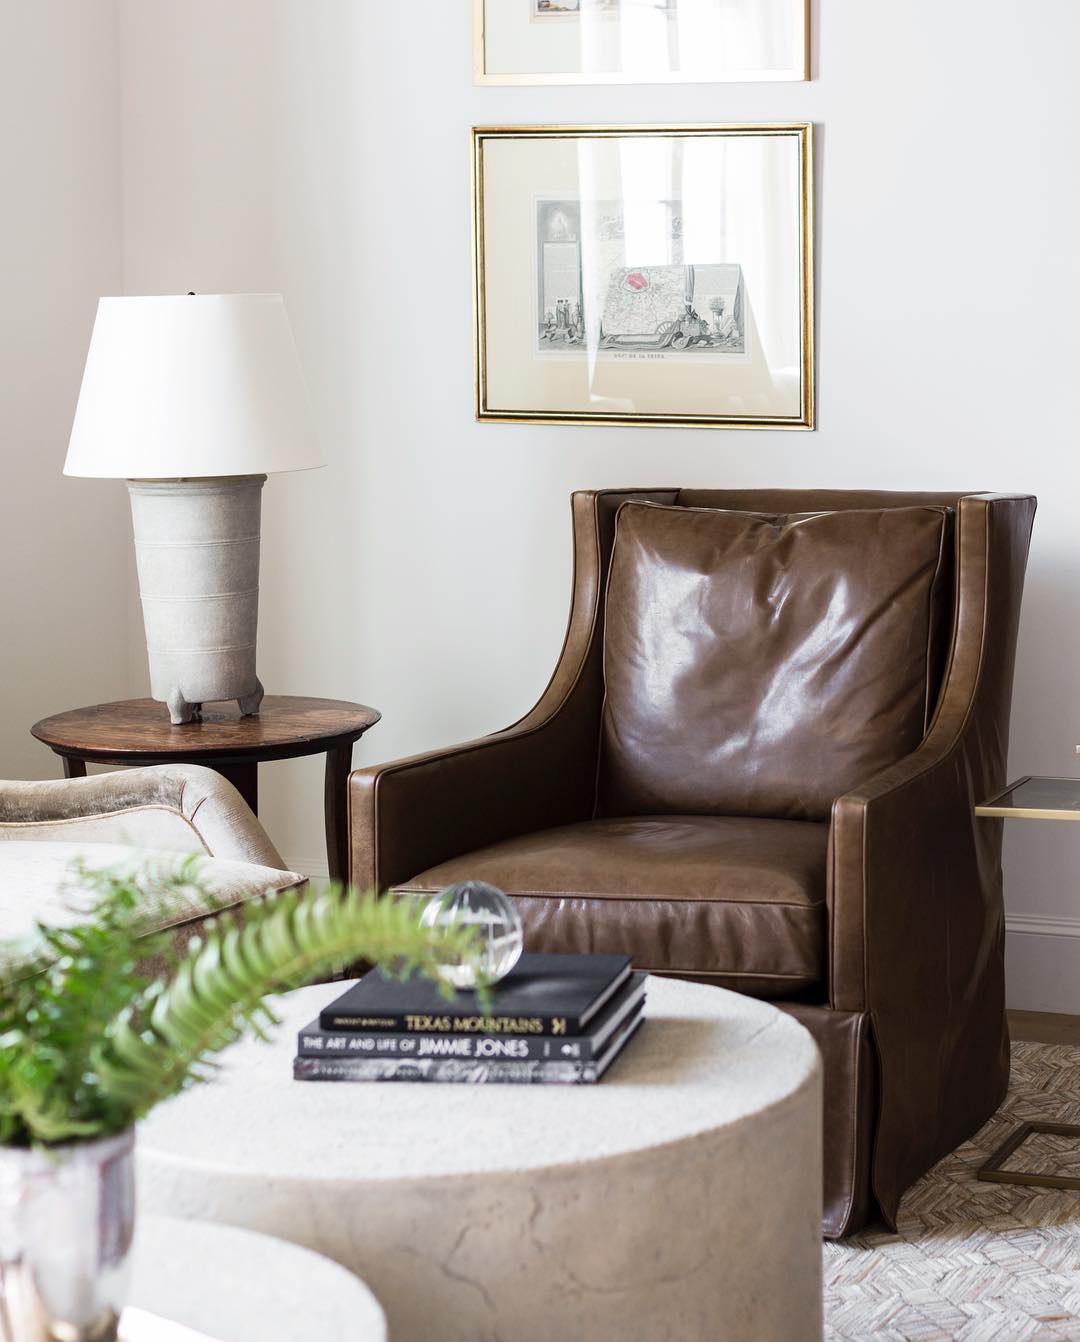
[(474, 904)]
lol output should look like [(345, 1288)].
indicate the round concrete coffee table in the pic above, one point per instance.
[(678, 1199), (233, 1286)]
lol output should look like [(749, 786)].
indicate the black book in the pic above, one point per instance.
[(470, 1071), (315, 1042), (542, 994)]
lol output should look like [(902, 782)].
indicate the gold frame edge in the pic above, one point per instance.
[(482, 79), (805, 421)]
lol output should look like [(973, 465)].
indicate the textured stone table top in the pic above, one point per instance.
[(236, 1286), (704, 1059)]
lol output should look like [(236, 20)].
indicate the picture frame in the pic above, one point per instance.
[(640, 41), (644, 275)]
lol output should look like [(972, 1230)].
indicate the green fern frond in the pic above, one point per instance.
[(88, 1044), (163, 1040)]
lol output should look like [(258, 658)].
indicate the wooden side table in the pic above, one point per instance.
[(138, 731), (1032, 798)]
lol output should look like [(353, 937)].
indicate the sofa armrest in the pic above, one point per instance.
[(174, 807)]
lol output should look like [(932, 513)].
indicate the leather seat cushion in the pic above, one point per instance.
[(765, 665), (36, 886), (740, 901)]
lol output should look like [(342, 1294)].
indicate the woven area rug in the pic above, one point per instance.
[(976, 1262)]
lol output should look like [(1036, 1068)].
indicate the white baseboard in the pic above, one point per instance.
[(314, 868), (1042, 963), (1037, 924)]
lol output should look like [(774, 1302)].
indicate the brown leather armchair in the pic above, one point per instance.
[(869, 906)]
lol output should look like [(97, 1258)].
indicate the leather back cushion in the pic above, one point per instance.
[(764, 665)]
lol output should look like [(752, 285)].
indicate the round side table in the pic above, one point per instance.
[(232, 1286), (138, 731)]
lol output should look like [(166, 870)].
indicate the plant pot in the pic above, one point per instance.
[(66, 1222)]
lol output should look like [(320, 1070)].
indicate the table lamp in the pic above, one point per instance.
[(194, 400)]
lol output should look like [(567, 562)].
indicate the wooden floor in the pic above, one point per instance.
[(1042, 1027)]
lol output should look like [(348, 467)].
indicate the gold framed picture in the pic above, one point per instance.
[(640, 41), (652, 275)]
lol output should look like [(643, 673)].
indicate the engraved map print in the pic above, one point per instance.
[(590, 297), (548, 9)]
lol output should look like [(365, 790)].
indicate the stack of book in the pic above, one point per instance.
[(560, 1019)]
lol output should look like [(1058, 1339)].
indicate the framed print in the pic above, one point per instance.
[(639, 41), (644, 275)]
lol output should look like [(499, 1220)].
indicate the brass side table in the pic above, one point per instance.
[(1032, 798)]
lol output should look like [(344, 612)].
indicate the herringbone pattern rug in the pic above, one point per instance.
[(976, 1262)]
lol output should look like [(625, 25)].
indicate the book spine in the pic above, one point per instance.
[(484, 1047), (454, 1070), (555, 1026)]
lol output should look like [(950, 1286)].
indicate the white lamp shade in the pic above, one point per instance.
[(192, 386)]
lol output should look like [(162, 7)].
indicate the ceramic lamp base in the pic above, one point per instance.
[(197, 547)]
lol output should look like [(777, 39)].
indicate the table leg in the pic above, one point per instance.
[(73, 768), (993, 1173), (244, 776), (336, 800)]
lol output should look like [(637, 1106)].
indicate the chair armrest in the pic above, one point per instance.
[(916, 916), (412, 814), (908, 842), (174, 807), (908, 858), (541, 772)]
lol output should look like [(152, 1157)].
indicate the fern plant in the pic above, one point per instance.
[(89, 1043)]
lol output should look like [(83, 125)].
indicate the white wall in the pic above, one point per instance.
[(321, 149), (65, 543)]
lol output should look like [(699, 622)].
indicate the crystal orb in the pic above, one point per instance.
[(475, 904)]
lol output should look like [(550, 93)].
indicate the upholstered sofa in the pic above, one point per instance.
[(128, 817), (755, 765)]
